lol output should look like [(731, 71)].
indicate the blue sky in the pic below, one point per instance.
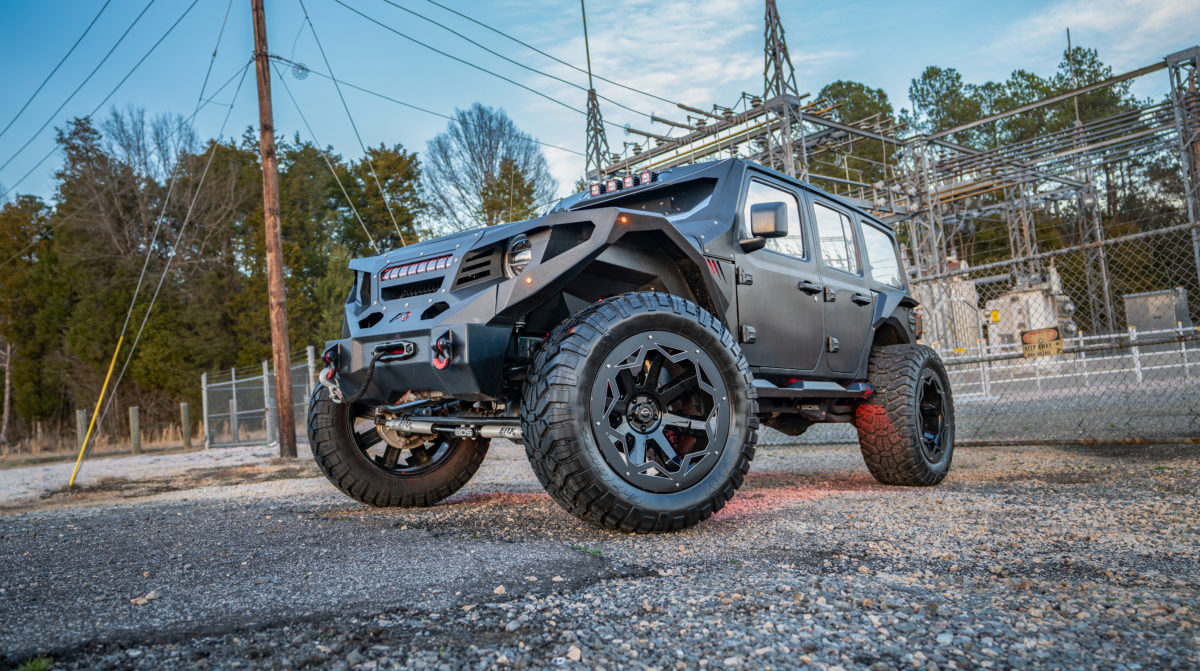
[(695, 52)]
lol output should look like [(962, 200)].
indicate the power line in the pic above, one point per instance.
[(213, 59), (56, 67), (551, 56), (94, 198), (460, 60), (175, 175), (81, 85), (174, 248), (106, 98), (325, 156), (354, 126), (402, 103), (514, 62), (200, 102), (473, 65)]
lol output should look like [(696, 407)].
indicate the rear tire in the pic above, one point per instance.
[(359, 462), (639, 414), (906, 427)]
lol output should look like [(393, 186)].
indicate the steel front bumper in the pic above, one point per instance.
[(460, 360)]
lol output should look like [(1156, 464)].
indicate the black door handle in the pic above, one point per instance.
[(861, 299), (810, 287)]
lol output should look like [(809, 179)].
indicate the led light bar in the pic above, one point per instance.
[(416, 267)]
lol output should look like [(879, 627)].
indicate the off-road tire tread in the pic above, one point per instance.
[(547, 420), (349, 475), (886, 422)]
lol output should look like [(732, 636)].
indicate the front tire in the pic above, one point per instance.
[(639, 414), (357, 460), (906, 427)]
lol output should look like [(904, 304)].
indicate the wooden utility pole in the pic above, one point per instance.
[(275, 289), (7, 392)]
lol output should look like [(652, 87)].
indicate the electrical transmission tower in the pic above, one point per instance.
[(782, 97), (597, 141)]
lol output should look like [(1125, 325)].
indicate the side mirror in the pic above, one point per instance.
[(768, 220)]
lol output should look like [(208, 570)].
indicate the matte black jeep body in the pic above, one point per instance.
[(802, 324), (772, 302)]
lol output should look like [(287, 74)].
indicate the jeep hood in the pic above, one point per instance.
[(454, 242)]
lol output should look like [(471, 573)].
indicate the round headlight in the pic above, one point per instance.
[(517, 256)]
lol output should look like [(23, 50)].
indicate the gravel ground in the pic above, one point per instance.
[(20, 484), (1024, 557)]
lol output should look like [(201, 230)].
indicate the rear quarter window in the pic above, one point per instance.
[(881, 256)]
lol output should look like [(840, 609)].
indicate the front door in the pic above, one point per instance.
[(781, 322), (849, 303)]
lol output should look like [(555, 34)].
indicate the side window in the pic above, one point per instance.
[(881, 256), (837, 239), (793, 243)]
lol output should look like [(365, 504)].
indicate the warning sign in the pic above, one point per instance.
[(1041, 342)]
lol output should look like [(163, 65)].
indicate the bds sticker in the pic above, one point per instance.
[(1041, 342)]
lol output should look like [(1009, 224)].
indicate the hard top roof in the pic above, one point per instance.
[(721, 170)]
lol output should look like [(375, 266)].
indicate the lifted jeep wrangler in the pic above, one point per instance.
[(634, 339)]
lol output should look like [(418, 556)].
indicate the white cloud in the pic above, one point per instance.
[(697, 57), (1130, 33), (695, 53)]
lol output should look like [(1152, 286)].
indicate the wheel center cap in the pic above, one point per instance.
[(643, 413)]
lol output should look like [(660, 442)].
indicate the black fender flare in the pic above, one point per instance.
[(553, 269)]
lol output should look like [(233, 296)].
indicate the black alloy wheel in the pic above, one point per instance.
[(659, 410), (352, 453), (931, 406), (420, 454), (639, 413), (906, 427)]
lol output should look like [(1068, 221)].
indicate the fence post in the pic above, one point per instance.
[(1082, 358), (984, 386), (135, 430), (185, 424), (204, 408), (310, 380), (1183, 350), (1137, 354), (233, 406), (270, 418), (80, 426)]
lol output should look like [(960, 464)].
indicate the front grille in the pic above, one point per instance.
[(477, 266), (410, 289)]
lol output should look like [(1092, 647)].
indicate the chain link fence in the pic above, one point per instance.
[(239, 404), (1084, 344)]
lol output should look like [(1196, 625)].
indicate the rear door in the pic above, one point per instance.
[(780, 326), (848, 300)]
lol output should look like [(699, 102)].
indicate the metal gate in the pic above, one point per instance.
[(239, 404)]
